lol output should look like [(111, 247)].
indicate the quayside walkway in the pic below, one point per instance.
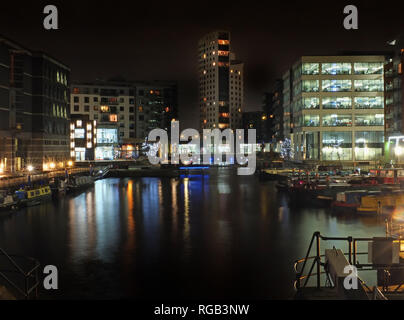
[(13, 181)]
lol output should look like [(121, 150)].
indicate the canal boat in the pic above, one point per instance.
[(381, 203), (348, 201), (79, 183), (8, 201), (34, 196)]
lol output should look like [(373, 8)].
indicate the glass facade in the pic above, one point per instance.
[(336, 108), (368, 68), (337, 103), (369, 120), (310, 103), (337, 120), (368, 145), (107, 135), (104, 153), (368, 102), (310, 120), (336, 85), (336, 68), (310, 86), (312, 145), (310, 68), (79, 133), (369, 85), (337, 146)]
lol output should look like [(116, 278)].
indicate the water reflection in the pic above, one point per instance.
[(216, 236)]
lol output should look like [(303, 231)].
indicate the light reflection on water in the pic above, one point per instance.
[(213, 236)]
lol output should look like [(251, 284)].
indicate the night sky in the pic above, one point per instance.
[(158, 39)]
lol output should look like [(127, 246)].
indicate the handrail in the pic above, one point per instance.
[(352, 254)]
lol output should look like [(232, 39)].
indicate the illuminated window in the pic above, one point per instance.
[(140, 109), (369, 120), (376, 85), (336, 85), (336, 68), (369, 102), (79, 133), (310, 68), (368, 68), (113, 117), (337, 103), (104, 109), (337, 120), (79, 123)]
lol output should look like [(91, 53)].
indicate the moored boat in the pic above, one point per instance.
[(78, 183), (34, 196), (348, 201), (380, 203)]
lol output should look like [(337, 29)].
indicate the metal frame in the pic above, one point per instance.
[(352, 258), (30, 277)]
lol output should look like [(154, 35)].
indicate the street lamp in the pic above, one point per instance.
[(30, 168)]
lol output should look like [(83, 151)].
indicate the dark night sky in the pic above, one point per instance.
[(158, 39)]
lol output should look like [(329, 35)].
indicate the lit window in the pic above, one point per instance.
[(104, 109), (113, 117)]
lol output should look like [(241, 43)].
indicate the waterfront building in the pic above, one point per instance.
[(273, 111), (157, 106), (124, 113), (221, 86), (112, 106), (334, 108), (83, 137), (394, 102), (34, 109)]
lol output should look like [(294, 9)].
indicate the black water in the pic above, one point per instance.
[(215, 236)]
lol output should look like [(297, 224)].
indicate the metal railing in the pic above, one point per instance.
[(22, 281), (352, 256)]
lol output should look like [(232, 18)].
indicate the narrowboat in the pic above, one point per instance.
[(348, 201), (34, 196), (78, 183), (380, 203)]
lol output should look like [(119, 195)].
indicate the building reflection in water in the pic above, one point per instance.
[(94, 222), (142, 237), (186, 210)]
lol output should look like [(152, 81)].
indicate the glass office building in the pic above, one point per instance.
[(334, 108)]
